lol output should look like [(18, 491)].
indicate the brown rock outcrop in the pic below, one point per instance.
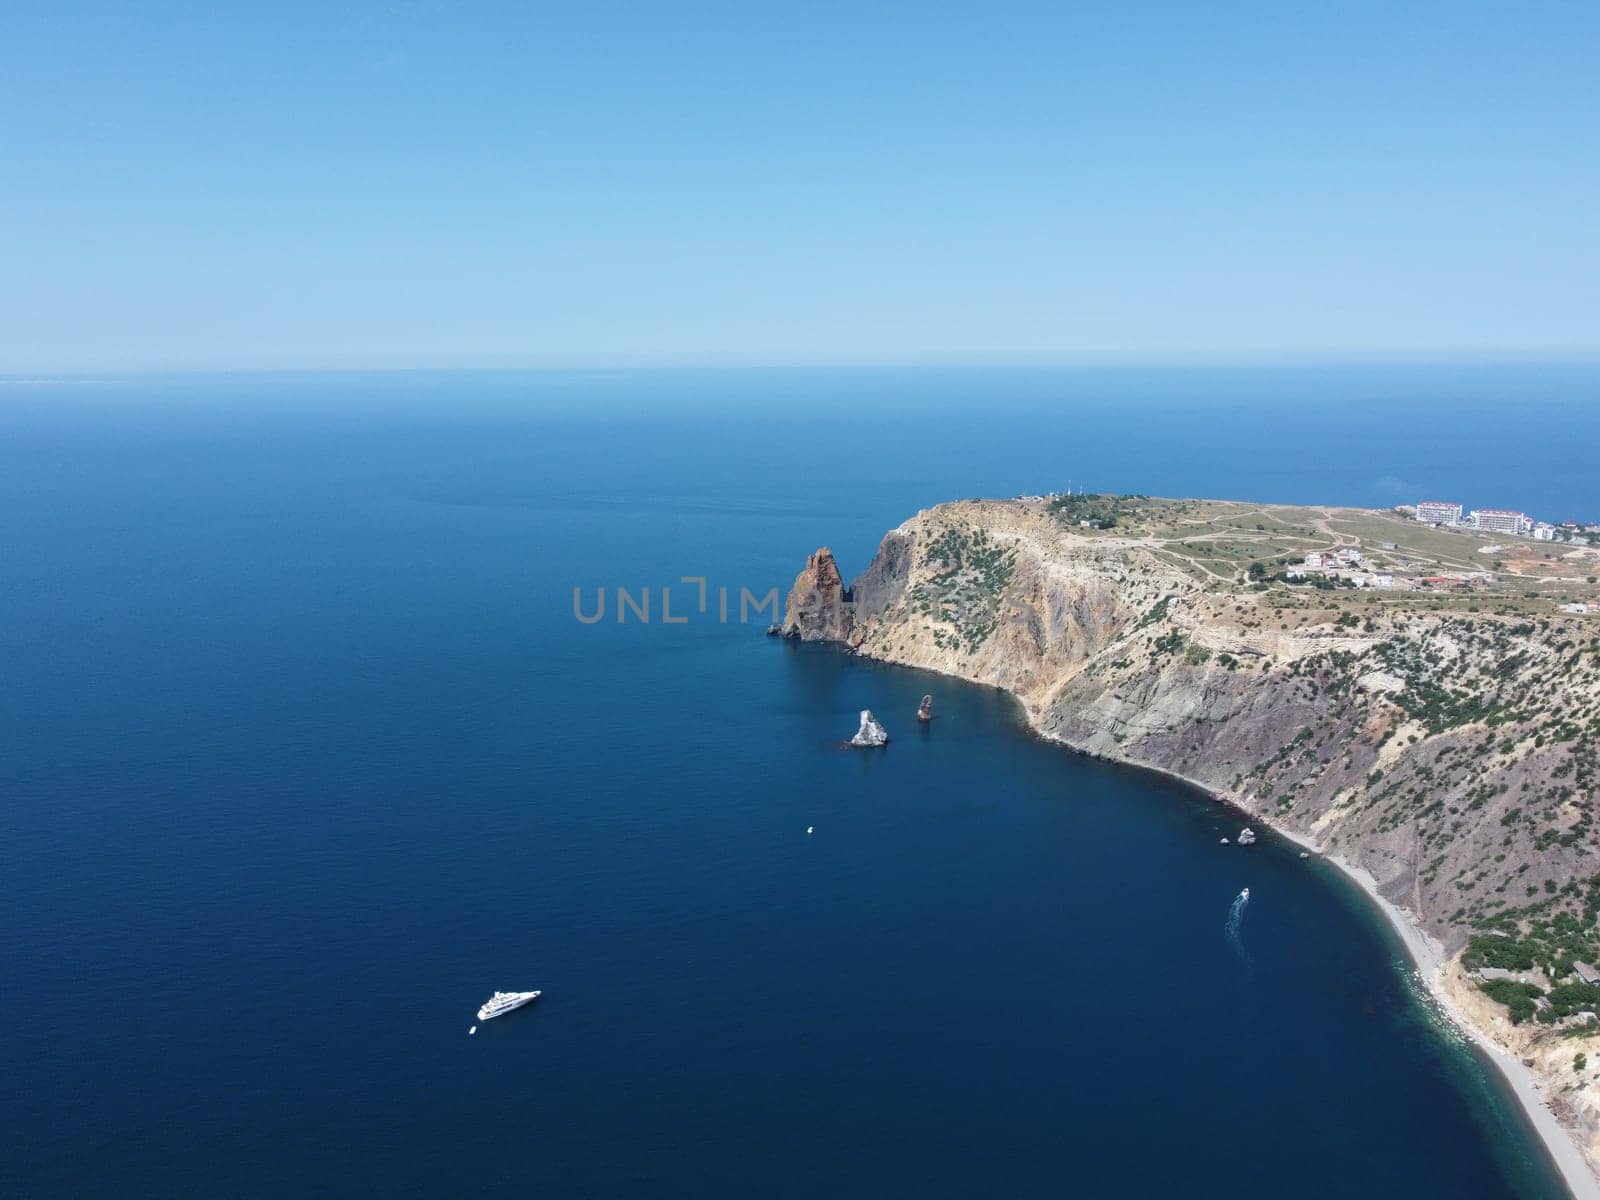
[(820, 607)]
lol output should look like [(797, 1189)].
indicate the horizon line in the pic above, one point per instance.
[(1418, 356)]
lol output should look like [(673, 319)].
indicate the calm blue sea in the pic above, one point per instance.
[(303, 754)]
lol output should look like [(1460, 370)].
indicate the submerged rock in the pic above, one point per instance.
[(871, 732), (1247, 837)]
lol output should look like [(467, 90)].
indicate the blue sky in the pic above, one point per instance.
[(321, 185)]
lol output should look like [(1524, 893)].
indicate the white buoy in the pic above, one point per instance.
[(810, 828), (472, 1031)]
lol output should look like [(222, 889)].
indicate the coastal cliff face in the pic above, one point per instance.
[(1446, 747)]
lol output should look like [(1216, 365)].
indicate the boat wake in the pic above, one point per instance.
[(1235, 927)]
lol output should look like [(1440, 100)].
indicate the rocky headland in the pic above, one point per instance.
[(1435, 735)]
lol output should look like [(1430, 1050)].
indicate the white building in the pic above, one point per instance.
[(1500, 520), (1543, 532), (1439, 512), (1576, 607)]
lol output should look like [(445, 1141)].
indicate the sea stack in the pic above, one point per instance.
[(925, 709), (1247, 837), (871, 732), (819, 602)]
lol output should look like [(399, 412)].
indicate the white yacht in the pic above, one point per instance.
[(503, 1002)]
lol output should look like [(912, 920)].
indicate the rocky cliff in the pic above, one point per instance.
[(1444, 741)]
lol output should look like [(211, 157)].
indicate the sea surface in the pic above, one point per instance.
[(303, 753)]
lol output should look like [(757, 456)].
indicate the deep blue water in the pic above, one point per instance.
[(304, 754)]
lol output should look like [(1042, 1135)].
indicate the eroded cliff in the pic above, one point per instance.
[(1443, 740)]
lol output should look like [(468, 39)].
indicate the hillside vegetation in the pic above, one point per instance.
[(1439, 732)]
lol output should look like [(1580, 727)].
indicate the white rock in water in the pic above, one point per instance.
[(1247, 837), (871, 733), (1224, 841)]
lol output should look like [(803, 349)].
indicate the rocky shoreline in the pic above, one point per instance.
[(1452, 994), (1304, 717)]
